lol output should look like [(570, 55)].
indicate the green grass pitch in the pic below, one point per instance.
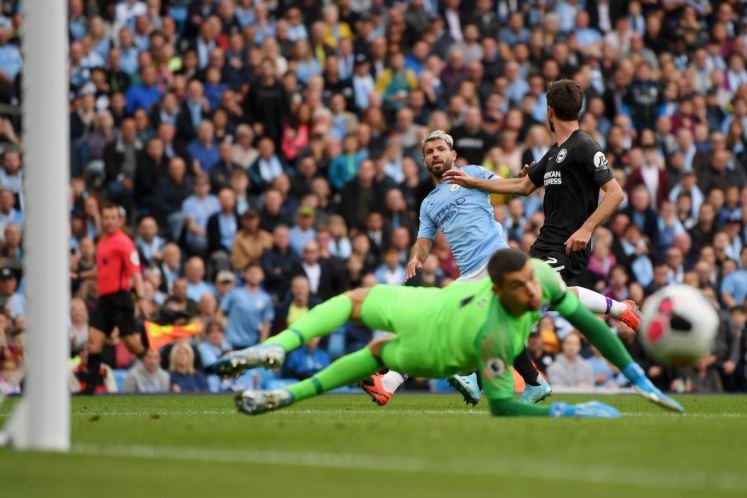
[(418, 446)]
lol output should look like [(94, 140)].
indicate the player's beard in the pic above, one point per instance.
[(441, 168)]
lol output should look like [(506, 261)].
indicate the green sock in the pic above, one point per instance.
[(318, 322), (343, 372), (601, 337)]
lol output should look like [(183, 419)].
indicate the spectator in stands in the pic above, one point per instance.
[(267, 167), (12, 247), (120, 160), (210, 349), (303, 231), (196, 210), (728, 348), (298, 303), (183, 377), (243, 152), (145, 93), (220, 175), (391, 270), (147, 376), (174, 188), (317, 271), (10, 299), (569, 368), (266, 104), (344, 167), (249, 310), (223, 226), (360, 196), (178, 307), (305, 361), (203, 149), (194, 271), (149, 244), (250, 242), (278, 262), (734, 283), (78, 329)]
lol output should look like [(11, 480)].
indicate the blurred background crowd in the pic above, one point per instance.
[(267, 154)]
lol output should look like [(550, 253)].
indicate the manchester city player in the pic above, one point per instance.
[(466, 219)]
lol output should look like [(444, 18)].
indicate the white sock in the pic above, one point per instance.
[(392, 380), (598, 303)]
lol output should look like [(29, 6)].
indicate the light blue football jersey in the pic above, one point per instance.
[(465, 217)]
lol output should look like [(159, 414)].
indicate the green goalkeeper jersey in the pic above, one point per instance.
[(465, 328), (460, 328)]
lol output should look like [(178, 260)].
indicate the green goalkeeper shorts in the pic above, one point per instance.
[(405, 311)]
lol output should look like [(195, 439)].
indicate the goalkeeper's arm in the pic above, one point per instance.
[(507, 407)]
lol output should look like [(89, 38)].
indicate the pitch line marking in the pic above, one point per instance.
[(509, 467)]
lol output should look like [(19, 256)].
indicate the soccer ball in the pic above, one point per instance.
[(679, 325)]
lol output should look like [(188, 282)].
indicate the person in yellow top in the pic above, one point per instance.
[(334, 30), (394, 83)]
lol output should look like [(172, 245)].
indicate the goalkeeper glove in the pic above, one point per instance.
[(590, 409), (637, 377)]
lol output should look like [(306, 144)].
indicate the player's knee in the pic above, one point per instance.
[(376, 345), (574, 290), (356, 296)]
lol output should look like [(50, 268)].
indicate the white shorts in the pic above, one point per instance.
[(479, 274)]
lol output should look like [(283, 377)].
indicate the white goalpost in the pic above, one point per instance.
[(41, 420)]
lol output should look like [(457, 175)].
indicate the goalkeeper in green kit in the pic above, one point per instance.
[(478, 326)]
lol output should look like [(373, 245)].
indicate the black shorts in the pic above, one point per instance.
[(569, 267), (115, 310)]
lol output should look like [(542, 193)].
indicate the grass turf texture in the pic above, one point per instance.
[(419, 445)]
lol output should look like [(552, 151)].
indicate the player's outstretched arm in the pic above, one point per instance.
[(509, 186), (495, 354), (419, 253), (590, 409)]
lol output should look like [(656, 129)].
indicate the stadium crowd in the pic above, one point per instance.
[(267, 154)]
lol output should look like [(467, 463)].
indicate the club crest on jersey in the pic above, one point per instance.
[(494, 367), (600, 161), (561, 155), (454, 187)]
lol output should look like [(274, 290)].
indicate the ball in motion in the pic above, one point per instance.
[(679, 325)]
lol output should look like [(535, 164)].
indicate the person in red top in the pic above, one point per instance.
[(117, 271)]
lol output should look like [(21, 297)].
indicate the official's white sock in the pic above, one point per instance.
[(598, 303), (392, 380)]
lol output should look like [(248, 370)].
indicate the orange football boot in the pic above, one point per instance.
[(375, 388), (631, 317)]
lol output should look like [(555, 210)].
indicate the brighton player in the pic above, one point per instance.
[(573, 171), (478, 326), (466, 219)]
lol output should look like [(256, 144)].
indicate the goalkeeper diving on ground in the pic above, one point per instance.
[(477, 326)]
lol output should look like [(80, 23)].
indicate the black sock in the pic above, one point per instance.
[(93, 369), (144, 339), (523, 365)]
